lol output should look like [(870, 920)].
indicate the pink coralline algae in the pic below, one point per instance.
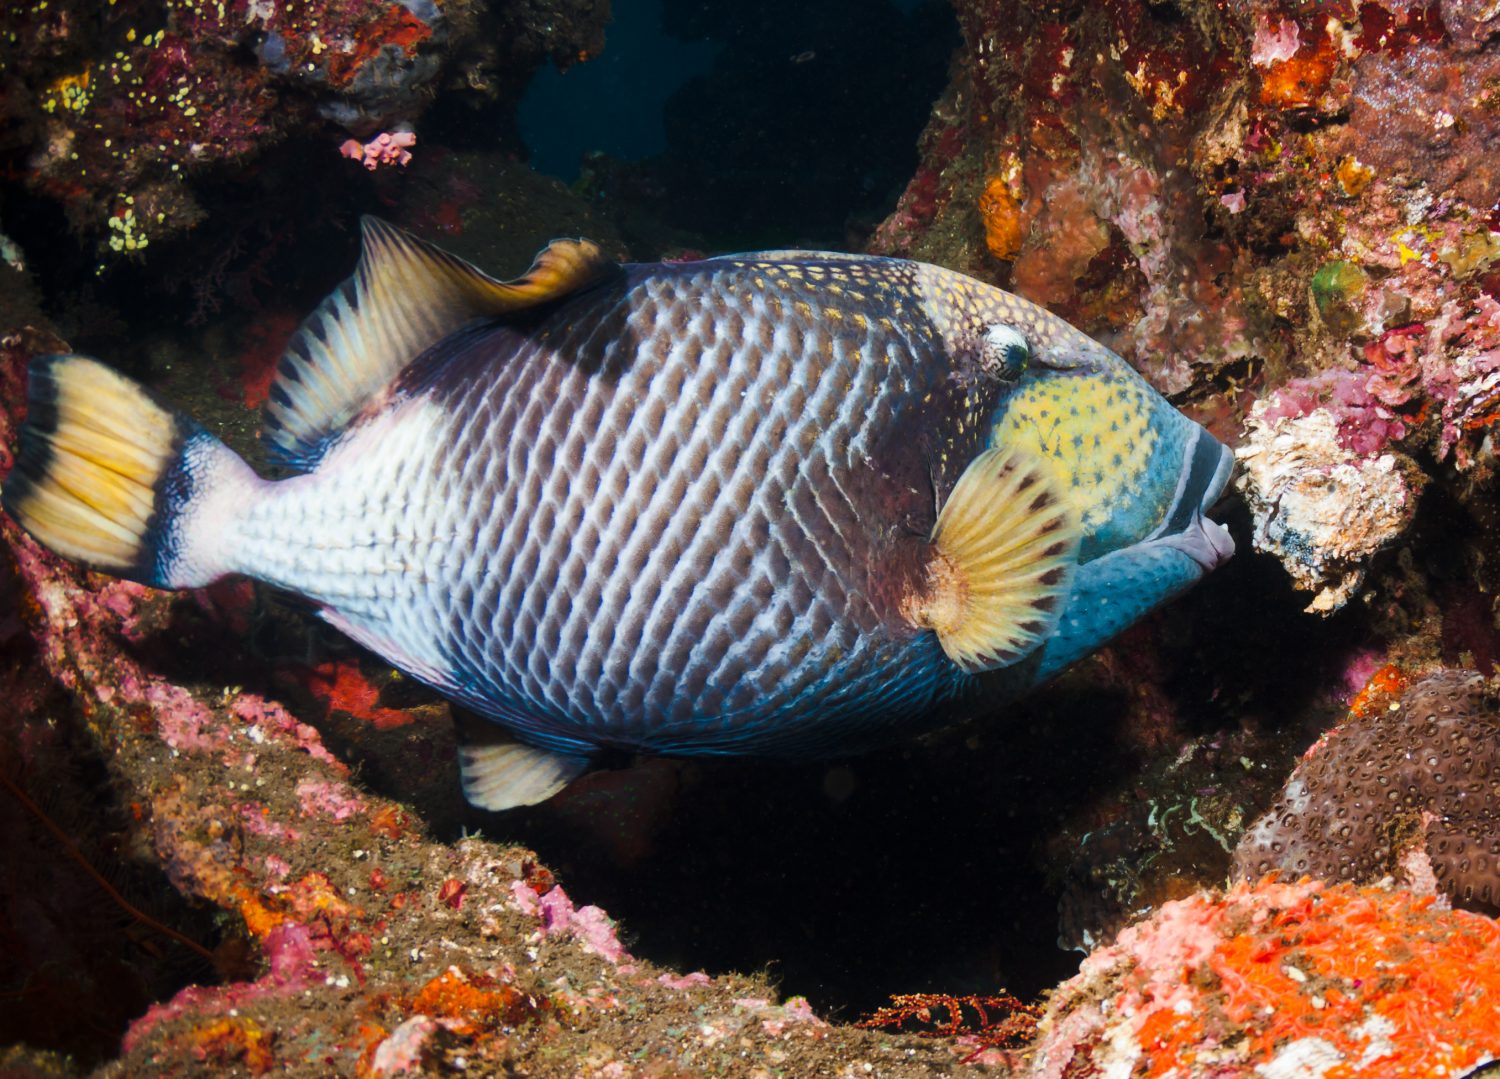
[(589, 924), (386, 148), (1275, 40), (401, 1052), (1366, 423), (293, 966), (1283, 980), (329, 799)]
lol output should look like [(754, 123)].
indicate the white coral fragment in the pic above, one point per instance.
[(1320, 508)]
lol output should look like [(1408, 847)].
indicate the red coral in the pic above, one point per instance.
[(340, 685), (1362, 981), (988, 1022)]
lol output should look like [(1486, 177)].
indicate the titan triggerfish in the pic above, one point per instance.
[(779, 504)]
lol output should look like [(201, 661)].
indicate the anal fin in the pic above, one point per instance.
[(1000, 562), (498, 772)]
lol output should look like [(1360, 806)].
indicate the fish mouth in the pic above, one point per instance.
[(1205, 473)]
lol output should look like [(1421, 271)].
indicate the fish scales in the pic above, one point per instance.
[(775, 503), (687, 548)]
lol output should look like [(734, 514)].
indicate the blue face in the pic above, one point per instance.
[(1140, 474)]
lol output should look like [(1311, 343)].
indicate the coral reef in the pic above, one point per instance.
[(125, 116), (1282, 212), (1321, 507), (1404, 788), (1240, 197), (1286, 980)]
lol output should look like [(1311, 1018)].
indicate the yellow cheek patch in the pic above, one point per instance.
[(1095, 433)]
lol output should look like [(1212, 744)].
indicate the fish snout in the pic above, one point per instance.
[(1205, 473)]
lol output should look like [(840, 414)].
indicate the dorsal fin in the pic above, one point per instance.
[(405, 296)]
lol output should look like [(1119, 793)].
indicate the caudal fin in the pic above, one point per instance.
[(109, 476)]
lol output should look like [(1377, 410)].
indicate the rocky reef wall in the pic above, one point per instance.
[(1284, 214)]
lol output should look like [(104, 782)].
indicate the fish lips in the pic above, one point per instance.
[(1204, 475)]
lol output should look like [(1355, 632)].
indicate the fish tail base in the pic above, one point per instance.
[(108, 475)]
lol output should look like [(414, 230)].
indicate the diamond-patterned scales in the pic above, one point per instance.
[(660, 547)]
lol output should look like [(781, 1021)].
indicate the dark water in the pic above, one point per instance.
[(766, 123)]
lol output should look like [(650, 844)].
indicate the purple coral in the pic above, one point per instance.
[(1398, 791), (1366, 423)]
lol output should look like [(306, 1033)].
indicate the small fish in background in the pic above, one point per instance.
[(775, 504)]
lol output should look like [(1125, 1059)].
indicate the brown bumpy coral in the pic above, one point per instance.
[(1411, 790)]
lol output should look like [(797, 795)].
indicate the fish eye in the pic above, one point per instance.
[(1004, 351)]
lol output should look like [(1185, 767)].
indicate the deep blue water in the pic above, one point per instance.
[(612, 104)]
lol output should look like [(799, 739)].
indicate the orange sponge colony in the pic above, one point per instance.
[(1280, 979)]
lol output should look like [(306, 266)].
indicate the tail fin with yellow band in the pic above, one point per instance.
[(106, 474)]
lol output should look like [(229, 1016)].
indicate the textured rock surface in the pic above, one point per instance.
[(1285, 980), (124, 117), (1409, 790), (1324, 510), (1237, 196)]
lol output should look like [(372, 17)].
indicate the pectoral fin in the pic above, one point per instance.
[(1000, 562), (499, 772)]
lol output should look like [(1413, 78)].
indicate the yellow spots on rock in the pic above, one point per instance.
[(125, 231), (71, 93), (1094, 432)]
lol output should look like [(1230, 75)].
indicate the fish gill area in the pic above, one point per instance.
[(233, 843)]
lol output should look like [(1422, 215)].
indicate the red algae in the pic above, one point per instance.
[(342, 686)]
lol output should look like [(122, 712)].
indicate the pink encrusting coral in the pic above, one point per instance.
[(1278, 979), (386, 148)]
